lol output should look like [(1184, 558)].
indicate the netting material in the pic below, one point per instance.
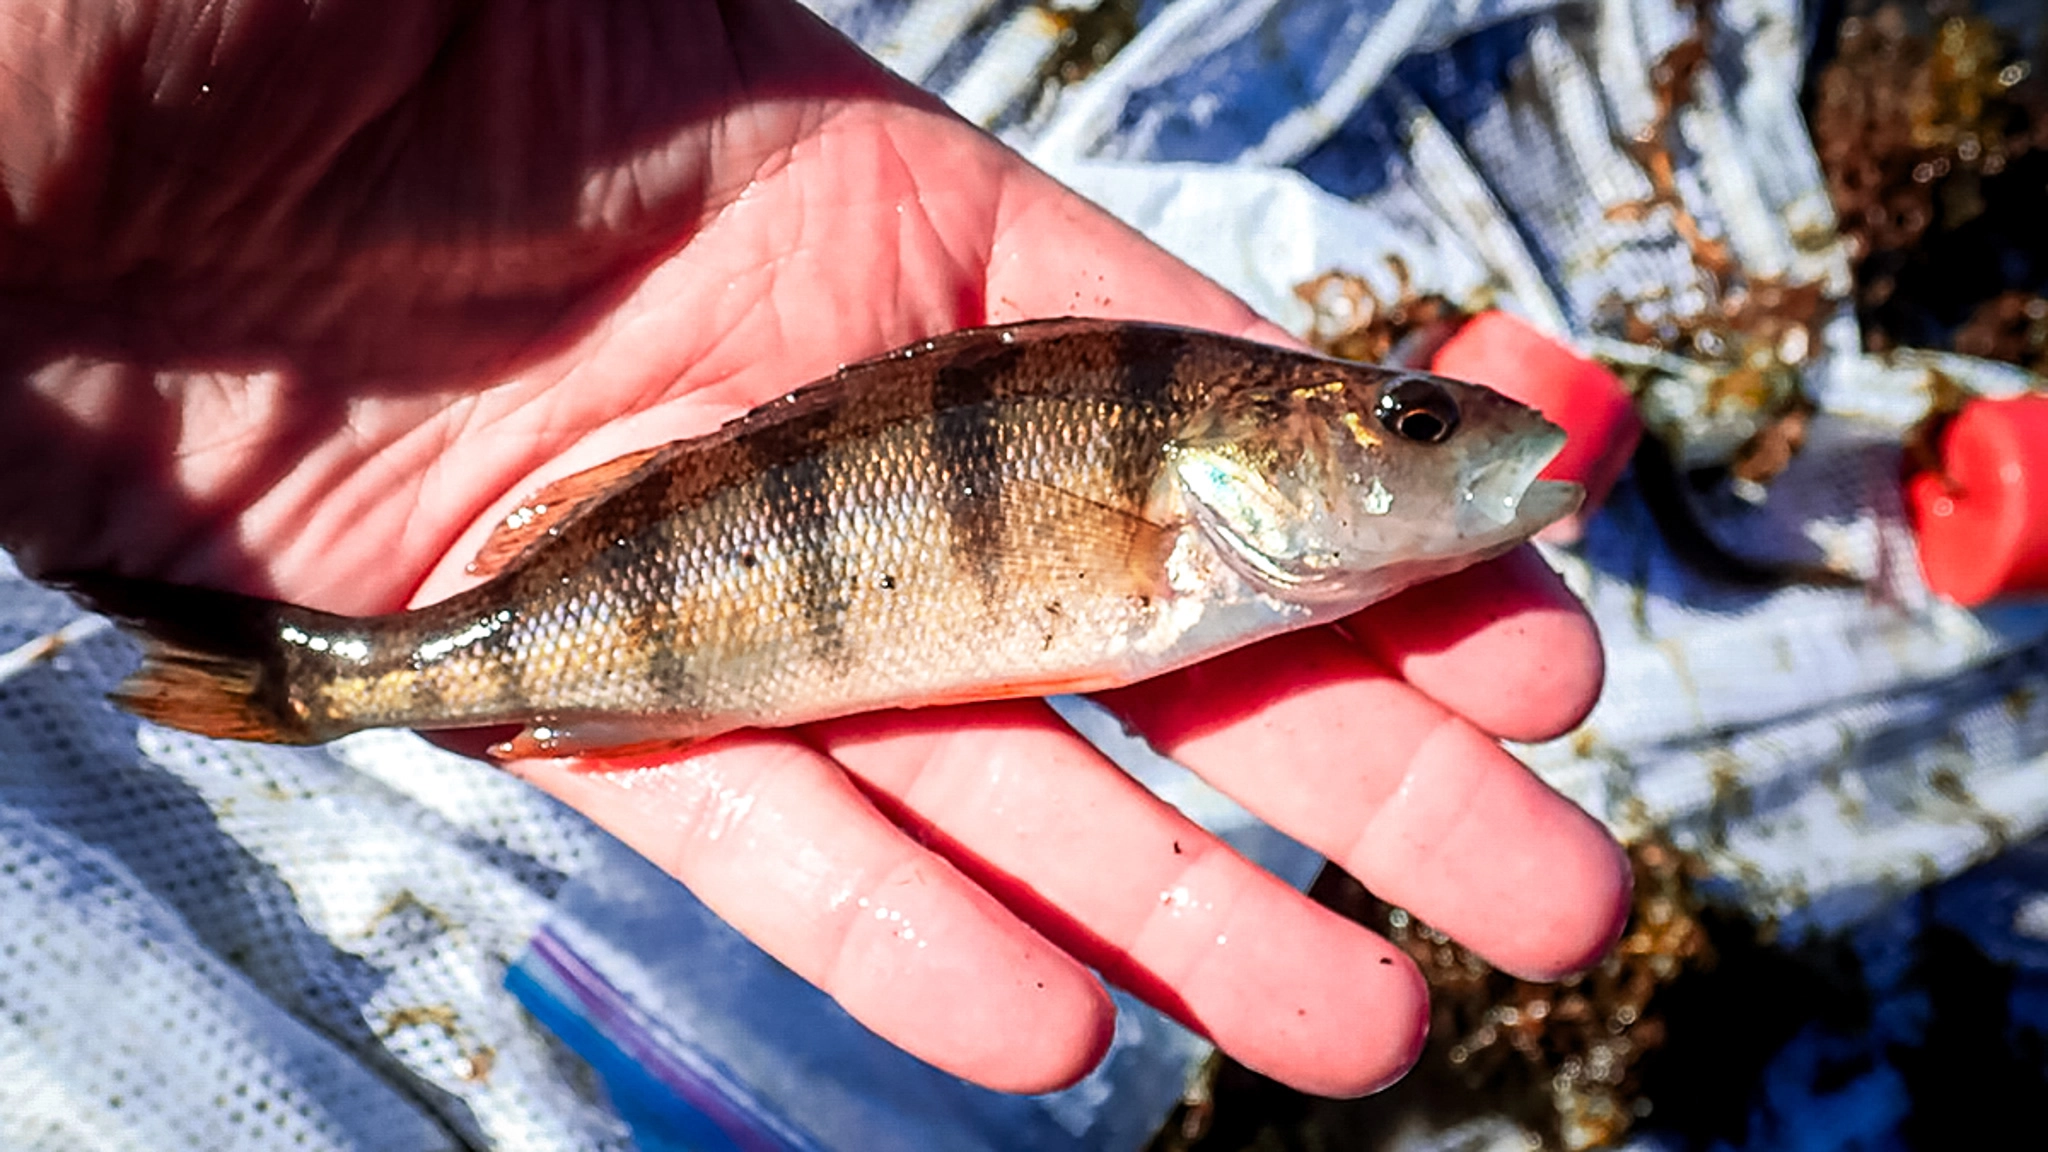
[(218, 946)]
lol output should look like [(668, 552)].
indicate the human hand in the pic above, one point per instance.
[(300, 300)]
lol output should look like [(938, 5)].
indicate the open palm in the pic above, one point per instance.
[(299, 299)]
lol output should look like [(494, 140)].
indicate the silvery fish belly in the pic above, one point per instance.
[(1053, 506)]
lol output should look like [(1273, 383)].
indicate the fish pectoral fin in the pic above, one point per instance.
[(1057, 535), (553, 506), (607, 738)]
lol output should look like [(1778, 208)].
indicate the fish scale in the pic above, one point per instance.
[(946, 605), (1049, 506)]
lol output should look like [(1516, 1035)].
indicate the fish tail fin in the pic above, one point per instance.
[(213, 663)]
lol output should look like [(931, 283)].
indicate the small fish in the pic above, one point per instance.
[(1051, 506)]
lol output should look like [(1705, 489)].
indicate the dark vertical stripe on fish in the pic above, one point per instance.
[(966, 444), (653, 629), (1145, 381), (424, 695), (660, 620), (794, 484)]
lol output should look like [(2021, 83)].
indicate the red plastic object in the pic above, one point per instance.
[(1982, 520), (1590, 403)]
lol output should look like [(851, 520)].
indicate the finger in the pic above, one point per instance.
[(1307, 732), (1129, 885), (775, 840), (1504, 644)]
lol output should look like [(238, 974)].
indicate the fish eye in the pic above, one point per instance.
[(1417, 409)]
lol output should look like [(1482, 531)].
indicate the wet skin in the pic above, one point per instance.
[(302, 308)]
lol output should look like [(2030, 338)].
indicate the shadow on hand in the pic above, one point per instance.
[(317, 209)]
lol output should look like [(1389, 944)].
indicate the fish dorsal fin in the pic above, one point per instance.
[(552, 507)]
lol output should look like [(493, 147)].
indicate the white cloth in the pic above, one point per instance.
[(217, 946)]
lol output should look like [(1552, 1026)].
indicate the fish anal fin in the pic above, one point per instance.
[(552, 507)]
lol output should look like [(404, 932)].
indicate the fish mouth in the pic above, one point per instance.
[(1504, 499)]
